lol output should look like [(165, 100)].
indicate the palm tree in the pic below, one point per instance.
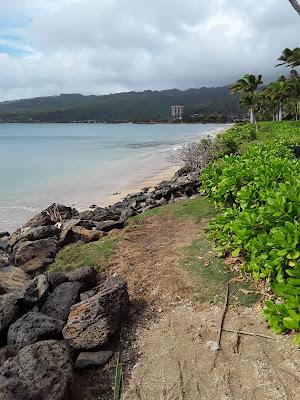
[(293, 93), (276, 91), (247, 86), (290, 58), (295, 5)]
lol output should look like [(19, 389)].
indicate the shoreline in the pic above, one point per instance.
[(94, 194), (164, 173)]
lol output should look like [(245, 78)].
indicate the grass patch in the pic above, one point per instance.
[(212, 275), (196, 209), (94, 254), (200, 260)]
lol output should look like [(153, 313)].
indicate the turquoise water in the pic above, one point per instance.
[(45, 163)]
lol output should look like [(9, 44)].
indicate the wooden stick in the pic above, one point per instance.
[(221, 326), (236, 343), (249, 334), (290, 373)]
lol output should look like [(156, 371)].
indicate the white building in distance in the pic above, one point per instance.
[(177, 112)]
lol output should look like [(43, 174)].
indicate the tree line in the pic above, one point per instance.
[(277, 100)]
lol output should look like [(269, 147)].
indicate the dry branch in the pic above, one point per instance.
[(249, 334), (236, 343), (221, 326)]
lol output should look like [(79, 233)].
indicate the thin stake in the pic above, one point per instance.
[(249, 334), (221, 326)]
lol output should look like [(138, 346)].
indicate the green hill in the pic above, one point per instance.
[(130, 106)]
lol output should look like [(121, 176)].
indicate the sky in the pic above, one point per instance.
[(48, 47)]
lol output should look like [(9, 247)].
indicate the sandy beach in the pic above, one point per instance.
[(166, 172), (86, 165)]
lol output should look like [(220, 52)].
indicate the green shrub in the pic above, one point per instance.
[(258, 195)]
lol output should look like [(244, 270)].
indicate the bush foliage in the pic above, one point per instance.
[(258, 196), (196, 156)]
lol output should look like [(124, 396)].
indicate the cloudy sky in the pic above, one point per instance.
[(49, 47)]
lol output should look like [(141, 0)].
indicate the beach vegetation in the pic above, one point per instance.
[(196, 209), (278, 100), (257, 195), (94, 254), (247, 87)]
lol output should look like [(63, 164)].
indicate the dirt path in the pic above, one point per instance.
[(146, 259), (175, 360), (165, 352)]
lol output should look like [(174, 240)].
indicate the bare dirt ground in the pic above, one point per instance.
[(146, 259), (176, 362), (165, 349)]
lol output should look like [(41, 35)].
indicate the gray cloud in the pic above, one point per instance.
[(103, 46)]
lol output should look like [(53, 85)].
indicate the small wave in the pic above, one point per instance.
[(21, 208)]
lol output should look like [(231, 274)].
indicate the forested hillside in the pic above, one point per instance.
[(130, 106)]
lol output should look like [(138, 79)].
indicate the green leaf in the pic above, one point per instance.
[(290, 323), (236, 252), (118, 380), (282, 253), (296, 340)]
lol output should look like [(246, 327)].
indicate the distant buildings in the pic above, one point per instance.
[(177, 112)]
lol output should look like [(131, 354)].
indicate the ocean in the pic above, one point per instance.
[(80, 163)]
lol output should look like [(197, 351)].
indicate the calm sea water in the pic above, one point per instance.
[(67, 163)]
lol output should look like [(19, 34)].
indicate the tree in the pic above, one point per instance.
[(277, 92), (293, 93), (290, 58), (247, 86), (295, 5)]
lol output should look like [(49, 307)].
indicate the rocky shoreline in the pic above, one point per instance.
[(52, 322)]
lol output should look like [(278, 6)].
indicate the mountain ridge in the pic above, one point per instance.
[(125, 106)]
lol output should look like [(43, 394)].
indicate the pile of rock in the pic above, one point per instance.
[(32, 248), (52, 323)]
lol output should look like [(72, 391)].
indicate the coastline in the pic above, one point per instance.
[(82, 193), (166, 172)]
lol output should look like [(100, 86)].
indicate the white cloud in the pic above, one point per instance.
[(102, 46)]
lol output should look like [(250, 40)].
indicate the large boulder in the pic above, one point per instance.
[(127, 213), (56, 213), (12, 278), (4, 244), (100, 214), (9, 313), (4, 259), (67, 234), (92, 359), (56, 278), (39, 232), (60, 301), (92, 322), (34, 293), (3, 355), (33, 256), (42, 371), (85, 275), (85, 235), (31, 328), (108, 226)]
